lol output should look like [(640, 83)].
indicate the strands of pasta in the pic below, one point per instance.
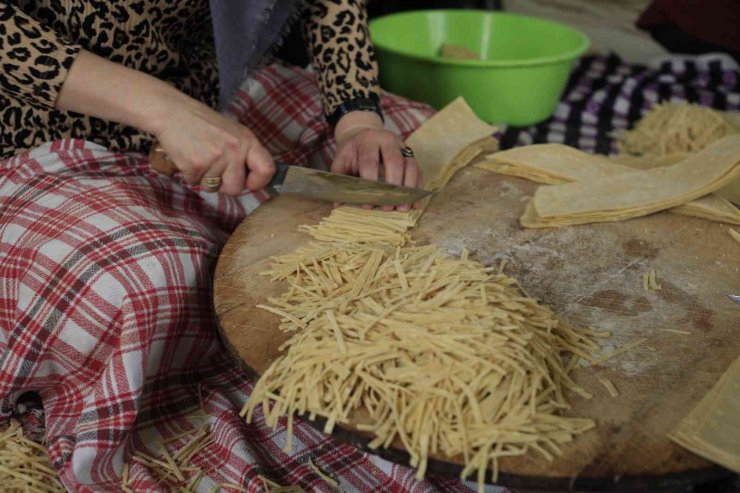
[(360, 226), (24, 464), (273, 487), (619, 351), (676, 331), (444, 355), (324, 477), (650, 282), (174, 469), (674, 129), (609, 386), (735, 234)]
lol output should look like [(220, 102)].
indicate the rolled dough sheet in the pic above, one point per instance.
[(558, 163), (637, 193), (712, 428), (730, 193), (551, 164), (712, 207), (448, 141), (647, 162)]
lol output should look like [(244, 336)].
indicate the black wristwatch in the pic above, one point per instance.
[(371, 103)]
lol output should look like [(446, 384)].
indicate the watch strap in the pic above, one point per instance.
[(371, 103)]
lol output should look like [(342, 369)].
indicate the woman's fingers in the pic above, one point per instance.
[(393, 162), (368, 163), (261, 166), (394, 165), (233, 175), (194, 167), (215, 152), (411, 178), (368, 160), (344, 164), (377, 154)]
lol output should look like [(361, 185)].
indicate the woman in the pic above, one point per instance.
[(158, 77), (105, 302)]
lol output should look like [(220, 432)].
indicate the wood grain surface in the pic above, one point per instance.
[(589, 275)]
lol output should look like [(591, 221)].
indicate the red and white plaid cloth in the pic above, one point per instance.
[(106, 310)]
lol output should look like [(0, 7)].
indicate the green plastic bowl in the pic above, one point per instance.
[(524, 65)]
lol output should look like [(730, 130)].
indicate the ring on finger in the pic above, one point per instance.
[(212, 182), (406, 151)]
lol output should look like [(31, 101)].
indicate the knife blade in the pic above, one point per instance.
[(320, 185), (333, 187)]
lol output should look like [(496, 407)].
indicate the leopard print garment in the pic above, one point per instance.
[(170, 39), (341, 50)]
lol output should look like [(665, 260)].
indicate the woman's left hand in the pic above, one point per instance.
[(366, 149)]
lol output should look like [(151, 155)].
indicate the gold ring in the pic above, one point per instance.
[(406, 151), (212, 181)]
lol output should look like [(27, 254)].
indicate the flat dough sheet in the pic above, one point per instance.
[(712, 428), (551, 164), (448, 141), (558, 163), (637, 193)]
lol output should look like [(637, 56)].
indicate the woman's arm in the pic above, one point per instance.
[(200, 141), (341, 51), (34, 59), (45, 70), (344, 59)]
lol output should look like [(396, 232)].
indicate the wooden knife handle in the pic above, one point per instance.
[(160, 161)]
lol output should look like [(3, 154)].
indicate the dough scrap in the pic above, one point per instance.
[(637, 193), (457, 52), (735, 235), (558, 163), (711, 429)]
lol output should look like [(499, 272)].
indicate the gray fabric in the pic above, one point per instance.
[(244, 30)]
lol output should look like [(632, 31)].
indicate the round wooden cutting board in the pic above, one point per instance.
[(590, 276)]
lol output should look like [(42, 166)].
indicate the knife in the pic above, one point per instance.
[(320, 185)]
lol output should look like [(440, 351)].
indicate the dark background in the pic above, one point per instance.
[(380, 7)]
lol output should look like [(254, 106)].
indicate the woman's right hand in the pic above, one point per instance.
[(201, 142), (205, 144)]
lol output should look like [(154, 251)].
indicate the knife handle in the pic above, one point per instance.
[(160, 161), (281, 173)]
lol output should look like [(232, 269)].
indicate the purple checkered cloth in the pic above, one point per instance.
[(605, 94)]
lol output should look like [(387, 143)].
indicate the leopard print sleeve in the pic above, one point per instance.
[(34, 59), (341, 51)]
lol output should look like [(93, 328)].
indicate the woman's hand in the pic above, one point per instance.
[(366, 149), (205, 144), (201, 142)]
